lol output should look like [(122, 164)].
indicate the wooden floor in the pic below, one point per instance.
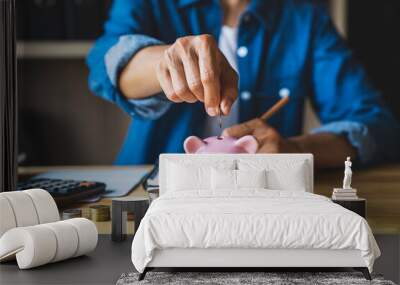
[(379, 185)]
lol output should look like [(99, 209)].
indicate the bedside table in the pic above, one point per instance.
[(358, 206)]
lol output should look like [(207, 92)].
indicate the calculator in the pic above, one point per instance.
[(65, 192)]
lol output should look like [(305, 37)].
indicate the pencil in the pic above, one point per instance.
[(278, 105)]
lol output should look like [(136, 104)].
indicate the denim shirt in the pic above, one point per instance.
[(281, 44)]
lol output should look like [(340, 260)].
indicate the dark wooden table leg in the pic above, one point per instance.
[(120, 207), (118, 227)]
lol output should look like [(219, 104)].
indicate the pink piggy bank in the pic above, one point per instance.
[(246, 144)]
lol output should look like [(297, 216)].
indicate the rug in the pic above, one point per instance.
[(244, 278)]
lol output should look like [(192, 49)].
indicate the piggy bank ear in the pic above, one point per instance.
[(248, 143), (192, 144)]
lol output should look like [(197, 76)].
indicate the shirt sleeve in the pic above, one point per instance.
[(130, 28), (345, 101)]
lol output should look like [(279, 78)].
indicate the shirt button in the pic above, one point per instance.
[(242, 51), (245, 95), (246, 18), (284, 92)]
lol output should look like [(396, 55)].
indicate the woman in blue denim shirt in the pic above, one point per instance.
[(161, 61)]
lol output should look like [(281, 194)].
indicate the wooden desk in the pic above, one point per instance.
[(379, 185)]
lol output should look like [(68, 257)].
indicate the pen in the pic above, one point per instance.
[(284, 94)]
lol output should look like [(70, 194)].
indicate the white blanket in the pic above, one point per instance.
[(250, 219)]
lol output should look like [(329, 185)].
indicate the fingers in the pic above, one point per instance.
[(209, 74), (164, 79), (192, 73), (246, 128), (178, 77), (229, 92), (268, 138)]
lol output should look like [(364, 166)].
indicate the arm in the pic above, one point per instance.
[(355, 121), (318, 144), (191, 69), (129, 29), (271, 142), (344, 99), (138, 78), (129, 66)]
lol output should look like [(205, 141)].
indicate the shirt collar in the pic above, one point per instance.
[(264, 10)]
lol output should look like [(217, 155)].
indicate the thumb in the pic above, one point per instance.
[(229, 89)]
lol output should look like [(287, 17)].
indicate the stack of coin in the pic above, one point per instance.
[(86, 213), (71, 213), (100, 213)]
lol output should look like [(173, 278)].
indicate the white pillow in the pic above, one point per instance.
[(222, 179), (281, 174), (184, 176), (251, 178)]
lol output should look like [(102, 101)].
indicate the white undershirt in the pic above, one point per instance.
[(227, 43)]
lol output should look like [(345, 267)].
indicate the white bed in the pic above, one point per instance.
[(197, 222)]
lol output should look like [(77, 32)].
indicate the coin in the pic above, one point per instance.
[(71, 213), (100, 213), (86, 213)]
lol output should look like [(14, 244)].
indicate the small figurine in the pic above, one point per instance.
[(347, 174), (221, 144), (347, 192)]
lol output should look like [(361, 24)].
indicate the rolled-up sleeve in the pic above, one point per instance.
[(345, 101), (118, 57), (129, 29)]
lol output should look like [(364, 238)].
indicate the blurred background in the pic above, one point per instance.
[(62, 123)]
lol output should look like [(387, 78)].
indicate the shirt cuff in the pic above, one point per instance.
[(119, 55), (117, 58), (357, 134), (151, 107)]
